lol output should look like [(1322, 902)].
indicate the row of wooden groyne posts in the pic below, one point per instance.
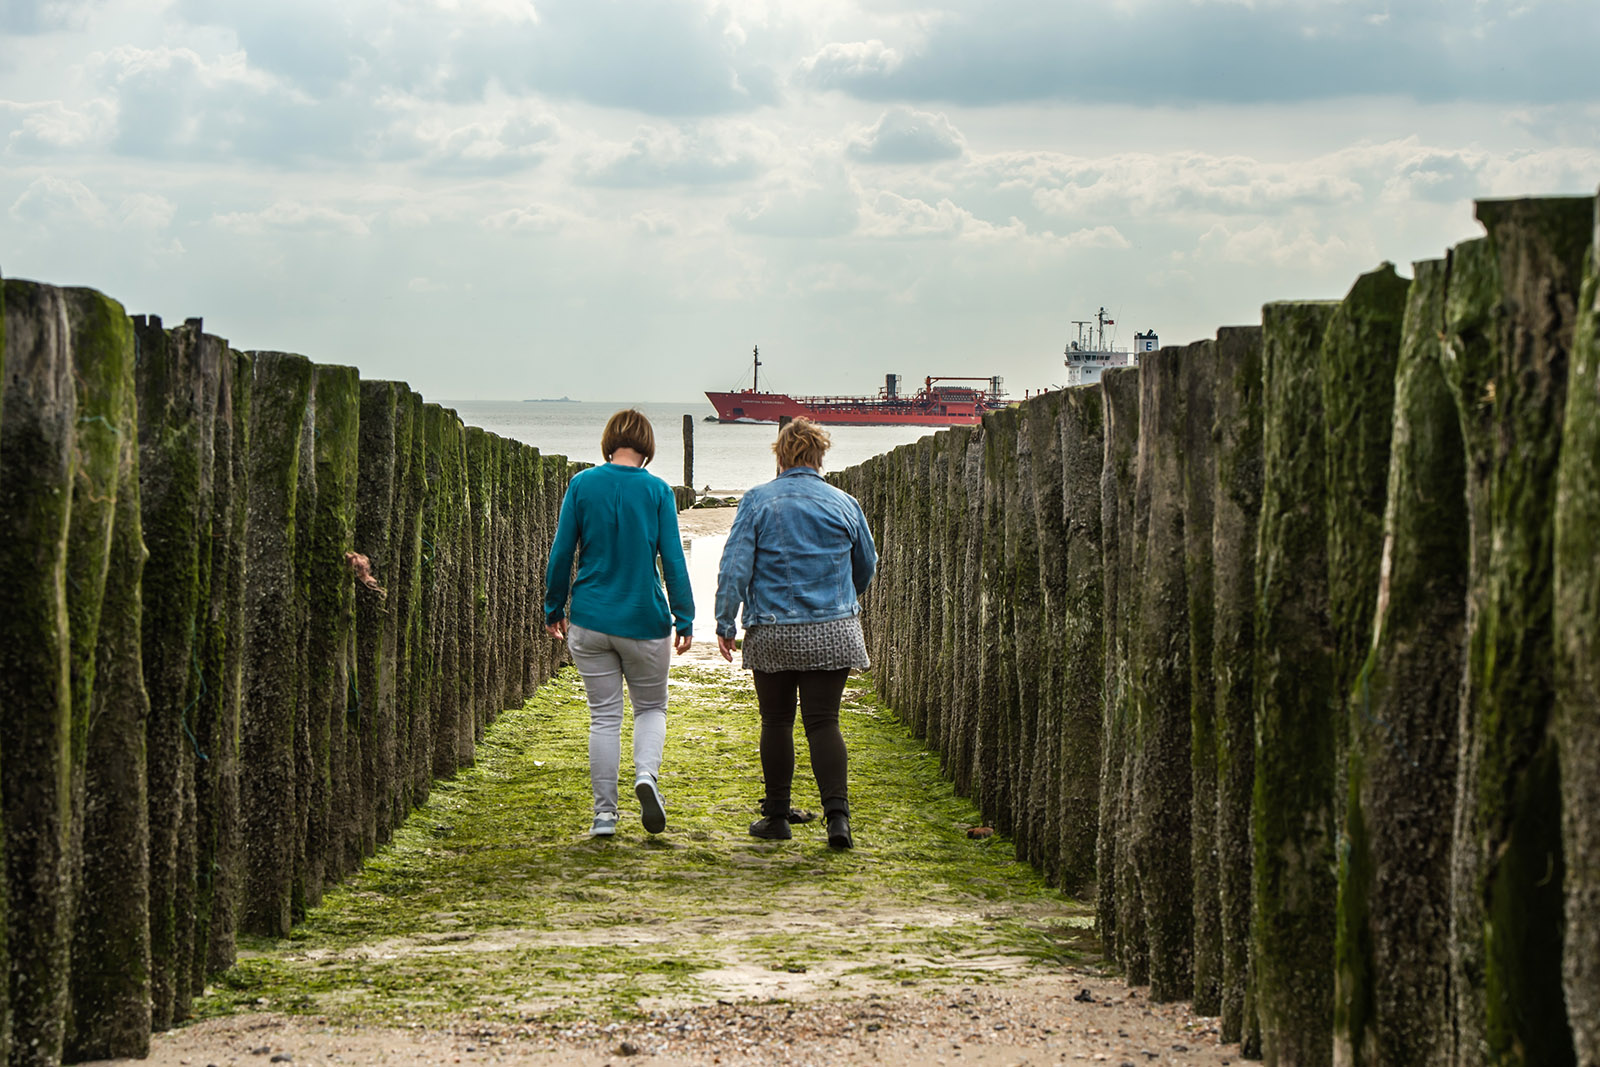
[(1286, 645), (253, 607)]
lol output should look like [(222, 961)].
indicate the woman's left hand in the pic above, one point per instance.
[(682, 643), (557, 629)]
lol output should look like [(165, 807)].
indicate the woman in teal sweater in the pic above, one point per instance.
[(618, 519)]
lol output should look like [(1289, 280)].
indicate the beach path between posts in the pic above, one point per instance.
[(493, 929)]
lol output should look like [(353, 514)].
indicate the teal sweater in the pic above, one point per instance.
[(618, 519)]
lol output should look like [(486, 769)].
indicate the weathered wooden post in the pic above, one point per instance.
[(1119, 907), (1577, 618), (282, 400), (110, 980), (1512, 779), (688, 451), (1295, 699), (1236, 511)]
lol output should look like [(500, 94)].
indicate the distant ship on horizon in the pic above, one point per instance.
[(1090, 355), (551, 400), (935, 404)]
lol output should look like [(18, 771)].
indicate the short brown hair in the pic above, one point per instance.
[(629, 429), (801, 443)]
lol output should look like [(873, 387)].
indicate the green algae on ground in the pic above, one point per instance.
[(492, 901)]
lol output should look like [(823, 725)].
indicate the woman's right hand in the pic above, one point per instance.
[(725, 646)]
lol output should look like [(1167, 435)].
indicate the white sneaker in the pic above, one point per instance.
[(651, 810), (605, 824)]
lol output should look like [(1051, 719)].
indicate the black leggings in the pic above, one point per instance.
[(820, 692)]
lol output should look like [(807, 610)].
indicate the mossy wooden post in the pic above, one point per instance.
[(281, 398), (111, 934), (921, 618), (216, 704), (1469, 357), (110, 976), (339, 695), (1539, 246), (1023, 639), (170, 455), (1359, 353), (400, 587), (992, 771), (230, 557), (935, 656), (444, 436), (952, 602), (1393, 962), (1296, 702), (310, 797), (1197, 384), (417, 646), (1236, 511), (1119, 910), (480, 581), (5, 956), (205, 389), (1577, 629), (1159, 742), (1079, 616), (37, 444), (371, 722), (1040, 676), (463, 594)]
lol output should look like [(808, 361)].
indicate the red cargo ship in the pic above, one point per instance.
[(935, 404)]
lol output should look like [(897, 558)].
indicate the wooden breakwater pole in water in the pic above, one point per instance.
[(1296, 633), (255, 606)]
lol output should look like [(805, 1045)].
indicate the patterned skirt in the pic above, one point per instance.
[(806, 646)]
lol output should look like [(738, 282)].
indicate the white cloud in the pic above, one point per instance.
[(292, 215), (50, 200), (1280, 245), (842, 62), (52, 126), (902, 135)]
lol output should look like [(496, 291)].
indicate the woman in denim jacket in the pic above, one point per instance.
[(618, 519), (798, 556)]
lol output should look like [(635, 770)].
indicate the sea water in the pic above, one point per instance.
[(728, 457)]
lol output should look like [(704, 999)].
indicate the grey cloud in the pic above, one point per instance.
[(663, 57), (1177, 52), (906, 136), (41, 16)]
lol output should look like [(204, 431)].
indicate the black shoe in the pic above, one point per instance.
[(796, 815), (771, 828), (839, 832)]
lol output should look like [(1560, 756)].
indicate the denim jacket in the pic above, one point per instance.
[(799, 551)]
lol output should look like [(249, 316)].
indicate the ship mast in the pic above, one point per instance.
[(755, 376)]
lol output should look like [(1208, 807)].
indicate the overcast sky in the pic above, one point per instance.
[(616, 199)]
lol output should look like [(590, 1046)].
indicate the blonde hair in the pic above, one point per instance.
[(801, 443), (629, 429)]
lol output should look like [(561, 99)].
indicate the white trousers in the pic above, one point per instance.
[(605, 661)]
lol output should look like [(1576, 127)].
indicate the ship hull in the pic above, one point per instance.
[(755, 407)]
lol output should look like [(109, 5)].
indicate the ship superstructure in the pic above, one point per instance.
[(1090, 354)]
